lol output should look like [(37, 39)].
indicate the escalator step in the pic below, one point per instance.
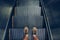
[(17, 34), (19, 22), (28, 11)]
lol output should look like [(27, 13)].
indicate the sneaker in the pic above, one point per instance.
[(26, 33), (35, 37)]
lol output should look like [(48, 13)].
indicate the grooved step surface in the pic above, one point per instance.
[(18, 34)]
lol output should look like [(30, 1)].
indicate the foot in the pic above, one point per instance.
[(26, 33), (26, 37), (34, 33), (35, 37)]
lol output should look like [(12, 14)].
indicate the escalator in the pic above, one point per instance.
[(28, 13)]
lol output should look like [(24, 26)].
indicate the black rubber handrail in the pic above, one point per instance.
[(46, 21)]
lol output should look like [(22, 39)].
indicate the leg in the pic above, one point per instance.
[(26, 37), (34, 33), (26, 33)]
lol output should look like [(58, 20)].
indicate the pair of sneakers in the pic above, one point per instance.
[(34, 33)]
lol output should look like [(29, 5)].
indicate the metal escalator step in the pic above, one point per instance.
[(21, 21), (41, 34), (1, 34), (28, 11), (18, 34), (35, 21)]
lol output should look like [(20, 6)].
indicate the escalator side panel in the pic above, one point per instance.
[(1, 33), (4, 15)]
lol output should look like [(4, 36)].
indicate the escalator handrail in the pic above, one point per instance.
[(5, 31), (46, 21)]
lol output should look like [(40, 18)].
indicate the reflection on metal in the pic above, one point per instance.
[(12, 21), (15, 12)]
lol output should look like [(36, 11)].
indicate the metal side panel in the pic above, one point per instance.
[(21, 21), (4, 15), (1, 33), (28, 11), (56, 33), (18, 34)]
